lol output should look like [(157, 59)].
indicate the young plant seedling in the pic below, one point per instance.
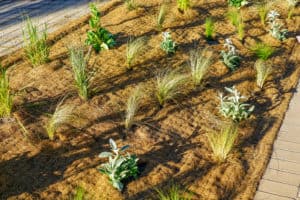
[(131, 4), (235, 17), (168, 85), (119, 166), (231, 106), (133, 104), (183, 5), (275, 26), (6, 100), (209, 28), (262, 50), (98, 37), (230, 57), (174, 192), (168, 45), (35, 44), (62, 115), (134, 48), (161, 17), (200, 61), (263, 71), (222, 142)]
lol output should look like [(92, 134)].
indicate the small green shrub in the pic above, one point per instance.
[(6, 100), (275, 27), (237, 3), (262, 50), (133, 104), (232, 107), (183, 5), (169, 85), (161, 17), (119, 166), (63, 114), (173, 193), (79, 64), (98, 37), (131, 4), (134, 48), (199, 64), (35, 44), (230, 57), (222, 142), (168, 45), (263, 71), (209, 28)]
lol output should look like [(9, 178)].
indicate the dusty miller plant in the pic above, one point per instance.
[(275, 26), (230, 57), (232, 107), (168, 45), (119, 166)]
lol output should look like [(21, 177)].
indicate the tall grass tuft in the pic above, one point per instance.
[(183, 5), (79, 194), (173, 193), (79, 64), (6, 101), (263, 71), (131, 4), (35, 44), (134, 48), (168, 85), (133, 104), (263, 8), (222, 142), (291, 7), (235, 17), (200, 61), (209, 28), (62, 115), (161, 17), (262, 50)]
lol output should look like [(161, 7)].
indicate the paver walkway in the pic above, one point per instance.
[(281, 180), (53, 12)]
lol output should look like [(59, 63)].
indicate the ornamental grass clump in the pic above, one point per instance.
[(262, 50), (62, 115), (35, 43), (161, 17), (230, 57), (235, 17), (119, 166), (275, 26), (79, 63), (232, 107), (263, 8), (200, 61), (6, 100), (131, 4), (263, 71), (98, 37), (168, 45), (169, 85), (132, 106), (222, 142), (183, 5), (174, 192), (291, 7), (134, 48), (209, 28)]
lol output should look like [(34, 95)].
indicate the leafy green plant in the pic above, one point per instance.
[(134, 48), (262, 50), (275, 27), (79, 64), (131, 4), (6, 100), (232, 107), (230, 57), (263, 71), (168, 45), (98, 37), (119, 166), (63, 114), (183, 5), (35, 44), (161, 17), (168, 85), (199, 64), (173, 193), (222, 142), (237, 3), (133, 104), (291, 6), (209, 28)]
